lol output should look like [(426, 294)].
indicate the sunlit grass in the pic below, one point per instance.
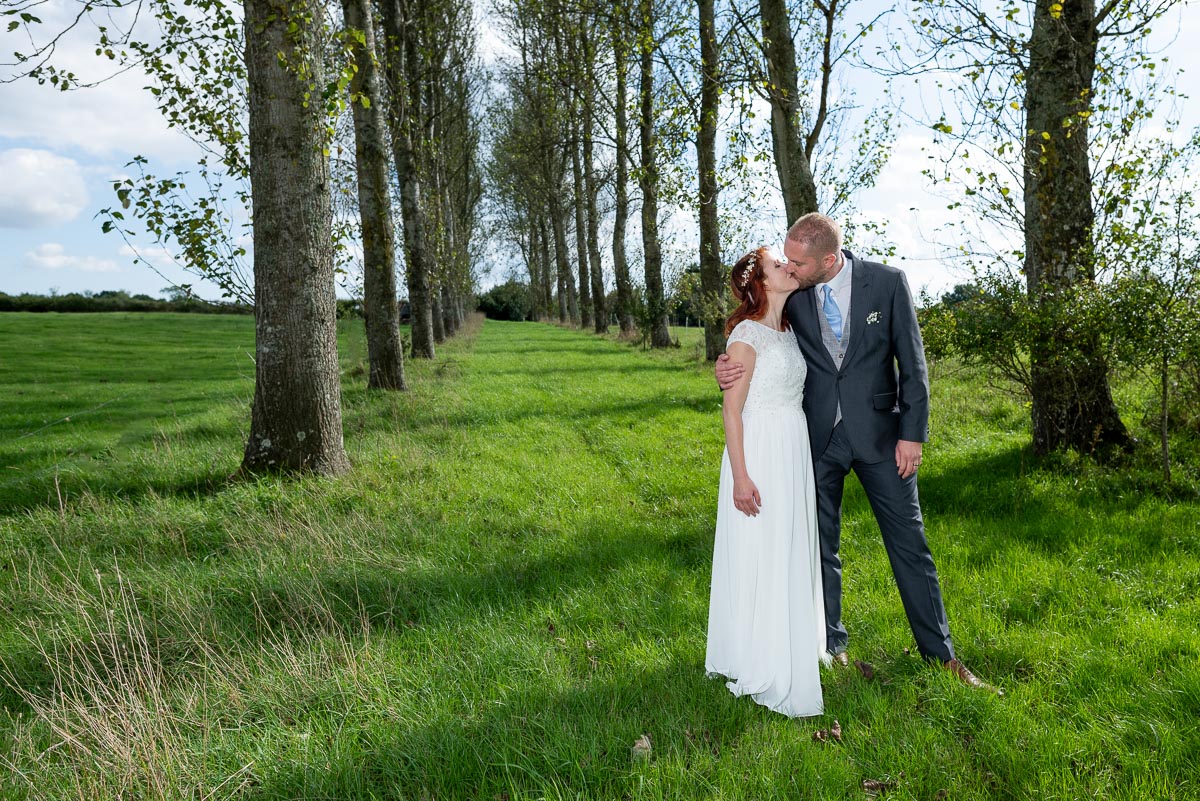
[(511, 588)]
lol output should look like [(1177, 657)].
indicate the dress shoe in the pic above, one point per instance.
[(843, 660), (968, 678)]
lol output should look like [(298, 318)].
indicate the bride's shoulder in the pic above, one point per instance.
[(746, 331)]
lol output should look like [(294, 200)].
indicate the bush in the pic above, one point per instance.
[(115, 301), (507, 301)]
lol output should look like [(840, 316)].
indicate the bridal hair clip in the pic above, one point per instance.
[(750, 265)]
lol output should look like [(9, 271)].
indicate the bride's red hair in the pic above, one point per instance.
[(746, 280)]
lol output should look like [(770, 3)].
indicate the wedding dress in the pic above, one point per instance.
[(766, 619)]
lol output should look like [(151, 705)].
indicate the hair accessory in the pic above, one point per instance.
[(745, 279)]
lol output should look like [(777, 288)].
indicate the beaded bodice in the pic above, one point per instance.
[(779, 368)]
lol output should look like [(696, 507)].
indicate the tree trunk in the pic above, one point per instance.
[(791, 161), (596, 271), (568, 303), (385, 353), (585, 281), (439, 327), (533, 261), (547, 270), (656, 304), (1164, 382), (1072, 404), (620, 34), (449, 314), (296, 420), (711, 274), (403, 71)]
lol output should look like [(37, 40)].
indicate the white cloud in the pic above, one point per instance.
[(52, 256), (115, 119), (154, 255), (919, 223), (39, 189)]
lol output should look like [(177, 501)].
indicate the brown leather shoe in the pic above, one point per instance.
[(968, 678), (842, 660)]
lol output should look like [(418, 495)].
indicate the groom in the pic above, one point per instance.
[(866, 398)]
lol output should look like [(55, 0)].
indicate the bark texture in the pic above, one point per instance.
[(296, 421), (580, 204), (656, 304), (403, 66), (711, 274), (787, 139), (385, 353), (624, 310), (1072, 403)]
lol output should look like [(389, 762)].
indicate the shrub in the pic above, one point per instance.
[(507, 301)]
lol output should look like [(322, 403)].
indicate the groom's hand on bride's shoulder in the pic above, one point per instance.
[(727, 371)]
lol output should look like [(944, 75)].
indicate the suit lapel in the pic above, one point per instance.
[(860, 282)]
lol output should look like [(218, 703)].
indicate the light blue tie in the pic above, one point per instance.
[(832, 313)]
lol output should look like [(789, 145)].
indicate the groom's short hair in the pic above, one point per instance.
[(816, 233)]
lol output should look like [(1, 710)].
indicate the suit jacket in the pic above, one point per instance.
[(883, 384)]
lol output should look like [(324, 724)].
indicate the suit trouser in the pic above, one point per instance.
[(898, 512)]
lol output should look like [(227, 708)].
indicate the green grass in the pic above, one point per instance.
[(511, 588)]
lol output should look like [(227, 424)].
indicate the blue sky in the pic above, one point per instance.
[(60, 151)]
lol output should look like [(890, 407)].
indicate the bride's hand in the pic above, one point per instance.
[(745, 496)]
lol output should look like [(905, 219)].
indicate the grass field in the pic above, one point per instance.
[(511, 588)]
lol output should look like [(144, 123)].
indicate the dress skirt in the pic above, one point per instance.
[(766, 619)]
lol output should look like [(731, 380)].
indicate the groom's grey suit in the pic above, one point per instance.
[(877, 375)]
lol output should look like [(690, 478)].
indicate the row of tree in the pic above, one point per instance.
[(1042, 140), (602, 107), (272, 90), (604, 101)]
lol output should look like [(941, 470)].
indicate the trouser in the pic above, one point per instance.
[(898, 512)]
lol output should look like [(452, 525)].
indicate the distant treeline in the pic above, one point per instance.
[(115, 301), (118, 301)]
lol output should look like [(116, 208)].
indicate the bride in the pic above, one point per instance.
[(766, 618)]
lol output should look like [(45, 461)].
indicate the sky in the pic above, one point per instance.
[(59, 153)]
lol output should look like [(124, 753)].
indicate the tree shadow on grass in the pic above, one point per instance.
[(346, 597), (40, 491), (1008, 495), (533, 742)]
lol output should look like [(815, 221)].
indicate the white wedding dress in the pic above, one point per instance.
[(766, 617)]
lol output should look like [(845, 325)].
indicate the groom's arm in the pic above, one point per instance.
[(913, 396)]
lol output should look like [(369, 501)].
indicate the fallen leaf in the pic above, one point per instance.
[(873, 787), (589, 644), (865, 669), (835, 731), (550, 626), (642, 749), (820, 736), (941, 795)]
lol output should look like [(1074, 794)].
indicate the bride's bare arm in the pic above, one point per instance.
[(745, 495)]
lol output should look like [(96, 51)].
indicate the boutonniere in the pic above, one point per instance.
[(873, 318)]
